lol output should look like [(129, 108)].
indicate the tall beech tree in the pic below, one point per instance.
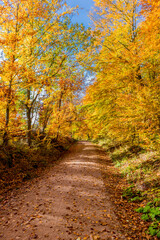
[(64, 77), (27, 27), (13, 18), (40, 46), (123, 102), (118, 67)]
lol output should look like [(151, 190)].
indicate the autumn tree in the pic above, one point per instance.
[(117, 64), (30, 30), (64, 82), (11, 38), (123, 102)]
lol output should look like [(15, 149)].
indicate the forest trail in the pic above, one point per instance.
[(69, 202)]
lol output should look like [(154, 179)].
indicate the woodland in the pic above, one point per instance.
[(61, 81)]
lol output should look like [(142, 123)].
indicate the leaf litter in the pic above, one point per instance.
[(71, 202)]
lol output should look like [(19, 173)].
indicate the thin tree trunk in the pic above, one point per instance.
[(46, 119), (5, 135), (29, 120), (59, 109)]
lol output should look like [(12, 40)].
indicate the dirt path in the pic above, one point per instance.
[(69, 202)]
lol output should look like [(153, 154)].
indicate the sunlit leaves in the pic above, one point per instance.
[(123, 103), (40, 46)]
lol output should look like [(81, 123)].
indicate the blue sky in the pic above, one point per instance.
[(86, 6)]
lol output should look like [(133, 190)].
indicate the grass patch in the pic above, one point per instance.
[(141, 168)]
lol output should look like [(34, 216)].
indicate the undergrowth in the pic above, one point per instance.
[(19, 163), (141, 168), (151, 213), (132, 195)]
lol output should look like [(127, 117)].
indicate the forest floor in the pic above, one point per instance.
[(77, 198)]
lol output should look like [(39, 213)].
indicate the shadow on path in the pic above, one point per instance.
[(69, 202)]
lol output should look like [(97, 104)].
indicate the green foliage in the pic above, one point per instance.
[(132, 195), (151, 212), (137, 199)]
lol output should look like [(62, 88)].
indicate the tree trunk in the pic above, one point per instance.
[(59, 109), (29, 127), (29, 120), (5, 135)]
